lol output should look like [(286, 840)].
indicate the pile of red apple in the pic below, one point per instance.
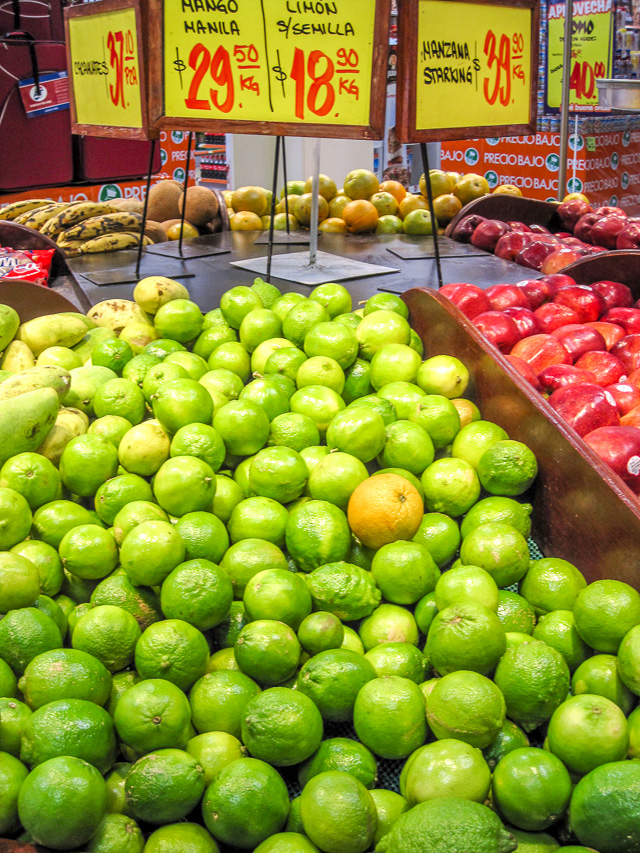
[(579, 345), (587, 232)]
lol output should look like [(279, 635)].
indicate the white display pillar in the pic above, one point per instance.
[(251, 159)]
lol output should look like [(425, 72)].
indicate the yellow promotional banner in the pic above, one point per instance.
[(473, 65), (105, 68), (269, 60), (590, 53)]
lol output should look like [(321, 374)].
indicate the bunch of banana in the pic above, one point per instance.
[(37, 218), (73, 214), (11, 212), (96, 226), (112, 242)]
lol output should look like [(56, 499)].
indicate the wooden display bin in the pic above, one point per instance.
[(582, 511)]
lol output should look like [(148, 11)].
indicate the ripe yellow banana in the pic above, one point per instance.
[(38, 218), (17, 208), (113, 242), (73, 214), (108, 223)]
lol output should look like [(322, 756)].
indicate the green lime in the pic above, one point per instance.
[(15, 716), (438, 416), (228, 495), (150, 552), (400, 659), (108, 633), (341, 754), (531, 788), (515, 613), (52, 520), (464, 584), (12, 775), (335, 298), (268, 651), (475, 719), (137, 368), (473, 439), (425, 612), (173, 650), (465, 637), (232, 356), (89, 552), (248, 557), (50, 608), (440, 535), (599, 675), (279, 473), (446, 768), (204, 535), (332, 679), (243, 426), (60, 357), (260, 324), (321, 370), (443, 374), (112, 427), (509, 737), (451, 486), (377, 723), (181, 402), (47, 562), (194, 364), (8, 681), (281, 726), (86, 463), (285, 361), (237, 302), (507, 468), (408, 446), (499, 549), (320, 632), (500, 509), (293, 430), (218, 700), (15, 518), (121, 397), (267, 394), (144, 448), (633, 722), (181, 838), (213, 751), (358, 382), (213, 337), (133, 514), (277, 594), (116, 493), (158, 375), (551, 584), (65, 674), (380, 328), (319, 403), (69, 727), (19, 582), (386, 302), (199, 440), (120, 683), (558, 630), (268, 293), (198, 592), (333, 340), (246, 803), (604, 612), (184, 484), (33, 476), (179, 320), (302, 317), (152, 714), (24, 634), (394, 363), (335, 478), (343, 589), (534, 680), (603, 811), (338, 813), (117, 833), (359, 431), (389, 807), (403, 396), (162, 347), (74, 814), (164, 786), (317, 533), (586, 731)]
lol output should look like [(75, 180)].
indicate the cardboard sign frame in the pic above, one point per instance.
[(407, 85), (86, 10), (374, 130)]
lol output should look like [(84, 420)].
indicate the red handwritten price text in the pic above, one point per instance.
[(583, 78), (121, 48), (504, 61)]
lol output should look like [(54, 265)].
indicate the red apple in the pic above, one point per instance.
[(534, 253), (578, 339), (587, 304), (498, 329), (582, 228), (614, 294), (510, 244), (626, 395), (525, 370), (608, 210), (627, 349), (558, 280), (634, 378), (628, 318), (488, 233), (538, 229), (604, 365), (605, 231), (540, 351), (585, 407), (619, 447), (611, 332), (503, 296), (558, 375), (632, 418), (570, 240), (524, 319), (464, 229), (470, 299), (560, 259), (571, 211), (536, 290), (519, 226), (551, 316), (629, 236)]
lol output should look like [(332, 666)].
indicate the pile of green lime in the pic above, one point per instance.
[(267, 552)]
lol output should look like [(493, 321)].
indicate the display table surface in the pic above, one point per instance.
[(212, 275)]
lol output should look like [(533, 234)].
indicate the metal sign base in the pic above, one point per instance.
[(426, 249), (328, 267), (281, 238), (128, 273), (189, 250)]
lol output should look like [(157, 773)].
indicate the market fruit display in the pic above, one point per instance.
[(253, 571), (579, 346)]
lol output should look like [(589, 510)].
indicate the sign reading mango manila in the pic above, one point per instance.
[(284, 61), (105, 67), (591, 50), (473, 65)]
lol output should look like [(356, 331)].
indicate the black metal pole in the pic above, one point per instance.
[(184, 191), (145, 205), (274, 188), (434, 221), (286, 192)]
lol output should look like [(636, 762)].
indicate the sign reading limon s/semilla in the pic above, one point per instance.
[(271, 66), (106, 69), (467, 68)]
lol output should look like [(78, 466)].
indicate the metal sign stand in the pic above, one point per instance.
[(280, 237), (434, 221), (566, 98)]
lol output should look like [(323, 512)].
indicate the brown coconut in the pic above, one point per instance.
[(154, 231), (163, 201), (202, 205)]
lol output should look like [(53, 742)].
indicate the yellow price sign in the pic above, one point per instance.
[(304, 68), (467, 68), (104, 56)]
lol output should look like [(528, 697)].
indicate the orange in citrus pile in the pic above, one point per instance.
[(384, 509)]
